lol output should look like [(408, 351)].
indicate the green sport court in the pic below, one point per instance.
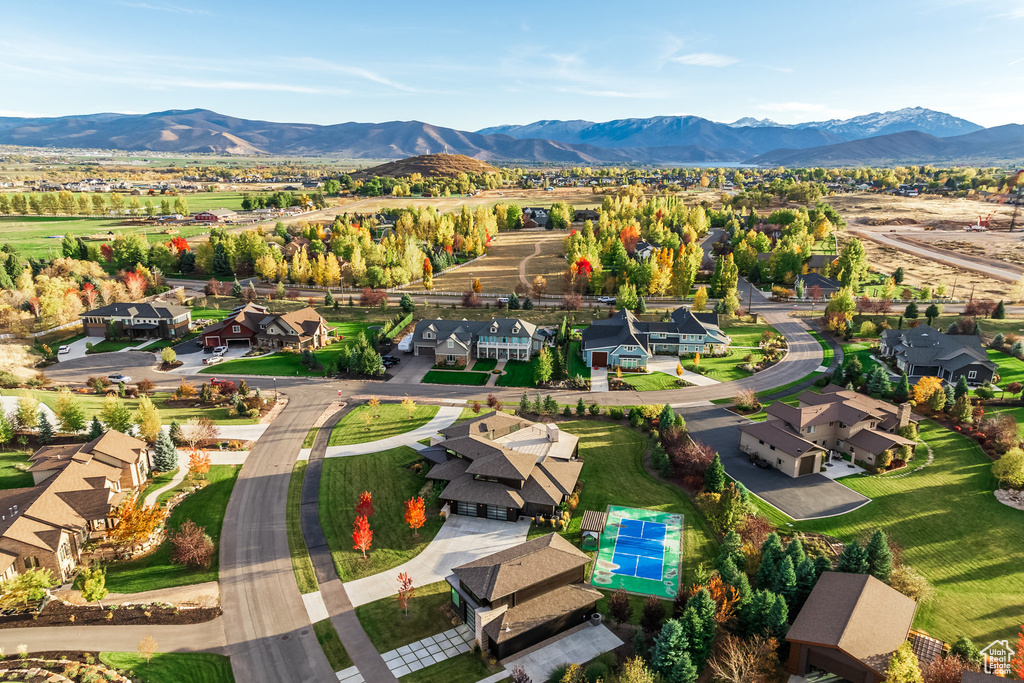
[(640, 552)]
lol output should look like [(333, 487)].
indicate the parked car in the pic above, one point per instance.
[(212, 359), (391, 359), (219, 382), (389, 362), (220, 350), (502, 301), (119, 378), (64, 348), (606, 299)]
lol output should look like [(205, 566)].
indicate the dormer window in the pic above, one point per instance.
[(451, 344), (428, 335)]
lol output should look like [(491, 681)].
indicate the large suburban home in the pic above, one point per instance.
[(624, 341), (850, 627), (925, 351), (455, 342), (827, 285), (519, 597), (139, 321), (499, 466), (254, 325), (77, 488), (835, 423)]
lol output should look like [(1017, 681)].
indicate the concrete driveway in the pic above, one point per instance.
[(191, 356), (808, 497), (576, 648), (598, 380), (77, 349), (410, 369)]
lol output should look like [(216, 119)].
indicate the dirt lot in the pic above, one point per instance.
[(938, 213)]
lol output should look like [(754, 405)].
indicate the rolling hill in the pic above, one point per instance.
[(430, 166)]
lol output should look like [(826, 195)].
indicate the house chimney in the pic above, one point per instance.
[(552, 433), (903, 414)]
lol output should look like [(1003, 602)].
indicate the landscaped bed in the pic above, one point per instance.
[(726, 368), (170, 408), (365, 423), (392, 479), (56, 613), (476, 379)]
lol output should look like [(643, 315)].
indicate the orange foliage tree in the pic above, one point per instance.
[(725, 596), (1017, 662), (925, 387), (198, 463), (362, 535), (405, 591), (364, 508), (135, 523), (415, 514), (630, 235)]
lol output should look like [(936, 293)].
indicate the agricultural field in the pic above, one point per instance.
[(39, 236)]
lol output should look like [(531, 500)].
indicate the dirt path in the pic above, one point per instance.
[(522, 264)]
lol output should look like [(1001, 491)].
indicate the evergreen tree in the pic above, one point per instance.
[(329, 299), (187, 262), (785, 579), (550, 405), (236, 289), (95, 428), (735, 578), (714, 476), (911, 311), (822, 564), (407, 304), (902, 391), (731, 548), (527, 304), (581, 407), (962, 388), (45, 428), (795, 551), (771, 557), (221, 264), (700, 626), (878, 382), (513, 302), (806, 577), (932, 312), (641, 305), (174, 431), (999, 313), (670, 654), (879, 557), (950, 392), (765, 614), (666, 419), (838, 376), (854, 559), (967, 651), (524, 404), (165, 455)]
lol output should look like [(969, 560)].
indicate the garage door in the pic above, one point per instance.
[(599, 359), (424, 350), (467, 509), (806, 465)]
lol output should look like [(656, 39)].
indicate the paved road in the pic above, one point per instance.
[(205, 637), (984, 266)]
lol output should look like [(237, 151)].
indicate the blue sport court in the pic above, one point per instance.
[(640, 551)]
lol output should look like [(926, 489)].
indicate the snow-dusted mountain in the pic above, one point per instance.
[(936, 123), (751, 122)]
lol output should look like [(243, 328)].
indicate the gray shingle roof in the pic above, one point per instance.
[(145, 310), (924, 345), (624, 328), (505, 572)]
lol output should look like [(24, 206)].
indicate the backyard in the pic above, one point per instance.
[(392, 478), (365, 423), (11, 476), (206, 508)]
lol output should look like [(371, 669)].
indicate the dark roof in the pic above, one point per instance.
[(155, 309), (812, 279), (924, 345), (857, 614), (772, 432), (500, 422), (435, 454), (625, 328), (593, 520), (248, 316), (508, 571), (468, 331), (527, 616)]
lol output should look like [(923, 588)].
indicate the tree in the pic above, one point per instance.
[(28, 586), (626, 298), (766, 614), (362, 535), (620, 607), (364, 507), (1009, 469), (635, 670), (197, 431), (652, 615), (415, 514), (116, 415), (700, 299), (191, 546), (666, 419), (771, 558), (542, 370), (409, 406), (925, 387), (406, 304), (26, 414), (94, 584), (405, 591), (45, 434), (878, 382), (477, 286), (519, 675), (745, 660), (879, 556), (999, 312), (903, 667), (962, 388), (198, 463), (852, 264), (961, 410), (70, 416), (902, 391), (714, 476), (95, 429), (965, 649), (175, 433), (148, 646), (581, 407), (148, 418), (165, 455), (135, 523), (670, 654), (910, 313), (853, 559), (932, 312), (6, 429), (701, 625)]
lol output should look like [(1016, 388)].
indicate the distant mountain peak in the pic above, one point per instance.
[(751, 122)]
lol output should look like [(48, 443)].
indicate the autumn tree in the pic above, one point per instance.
[(135, 523), (415, 514), (28, 586), (925, 387), (147, 416), (364, 507), (116, 415), (362, 535), (405, 591), (745, 660), (147, 648), (70, 416), (191, 546), (620, 607), (198, 463), (1017, 662), (94, 584), (409, 406), (700, 299), (198, 430), (903, 666), (26, 413)]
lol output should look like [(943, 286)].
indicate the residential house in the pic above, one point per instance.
[(850, 627), (455, 342), (644, 250), (77, 488), (215, 216), (499, 466), (519, 597), (925, 351), (294, 245), (817, 263), (625, 341), (828, 285), (835, 423), (580, 215), (154, 320), (254, 325)]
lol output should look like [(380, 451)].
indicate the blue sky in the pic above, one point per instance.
[(474, 64)]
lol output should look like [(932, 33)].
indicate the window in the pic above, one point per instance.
[(810, 430), (464, 508), (428, 335), (236, 329), (971, 374), (780, 461), (451, 344), (760, 441), (451, 358), (771, 448)]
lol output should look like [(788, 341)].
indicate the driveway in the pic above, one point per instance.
[(808, 497), (411, 368), (191, 355), (598, 380), (576, 648), (77, 349), (460, 540)]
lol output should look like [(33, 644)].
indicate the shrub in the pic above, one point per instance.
[(1009, 469), (594, 409), (906, 580), (615, 413), (191, 546), (8, 380)]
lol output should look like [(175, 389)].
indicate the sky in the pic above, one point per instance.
[(469, 65)]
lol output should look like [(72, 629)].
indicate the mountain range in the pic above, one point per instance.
[(905, 136)]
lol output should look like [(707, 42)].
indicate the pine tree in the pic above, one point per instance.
[(666, 419), (731, 548), (165, 455), (670, 656), (911, 313), (95, 428), (806, 577), (950, 392), (550, 405), (999, 313), (221, 264), (524, 404), (701, 627), (236, 289), (45, 428), (581, 407), (962, 388), (735, 578), (174, 431), (771, 556), (765, 614), (785, 579), (902, 391), (329, 299), (822, 564), (854, 559), (714, 476), (879, 557), (795, 551), (838, 376), (878, 382), (967, 651)]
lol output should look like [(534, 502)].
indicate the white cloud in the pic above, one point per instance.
[(705, 59), (803, 111), (359, 72)]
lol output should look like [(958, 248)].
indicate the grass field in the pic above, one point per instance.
[(473, 379), (92, 404), (863, 351), (518, 373), (464, 668), (1010, 369), (953, 531), (301, 564), (31, 235), (576, 365), (388, 628), (653, 381), (10, 476), (726, 368), (329, 641), (172, 667), (744, 333), (287, 364), (204, 507), (826, 350), (388, 476), (370, 424)]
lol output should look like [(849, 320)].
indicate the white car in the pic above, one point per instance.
[(220, 350), (64, 348), (210, 360), (606, 299), (119, 379)]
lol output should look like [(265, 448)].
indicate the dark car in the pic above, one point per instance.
[(391, 359)]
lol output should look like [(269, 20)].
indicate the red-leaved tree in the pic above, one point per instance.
[(364, 507), (1017, 662), (362, 535), (630, 235), (415, 514), (405, 591)]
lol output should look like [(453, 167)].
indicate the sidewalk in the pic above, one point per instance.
[(492, 380)]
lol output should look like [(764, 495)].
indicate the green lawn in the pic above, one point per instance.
[(744, 333), (211, 313), (328, 638), (653, 381), (388, 476), (863, 351), (476, 379), (485, 365), (92, 404), (826, 350), (31, 235), (206, 508), (1010, 369), (464, 668), (159, 481), (518, 373), (310, 437), (287, 364), (10, 476), (576, 365), (172, 667), (954, 532), (613, 474), (301, 564), (387, 419), (389, 628), (726, 368)]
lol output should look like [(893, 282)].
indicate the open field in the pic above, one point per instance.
[(927, 210), (579, 197), (92, 404), (31, 235)]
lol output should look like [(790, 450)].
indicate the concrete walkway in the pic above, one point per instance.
[(460, 540), (668, 364), (446, 416), (429, 650), (493, 379), (216, 458), (598, 380), (576, 648)]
